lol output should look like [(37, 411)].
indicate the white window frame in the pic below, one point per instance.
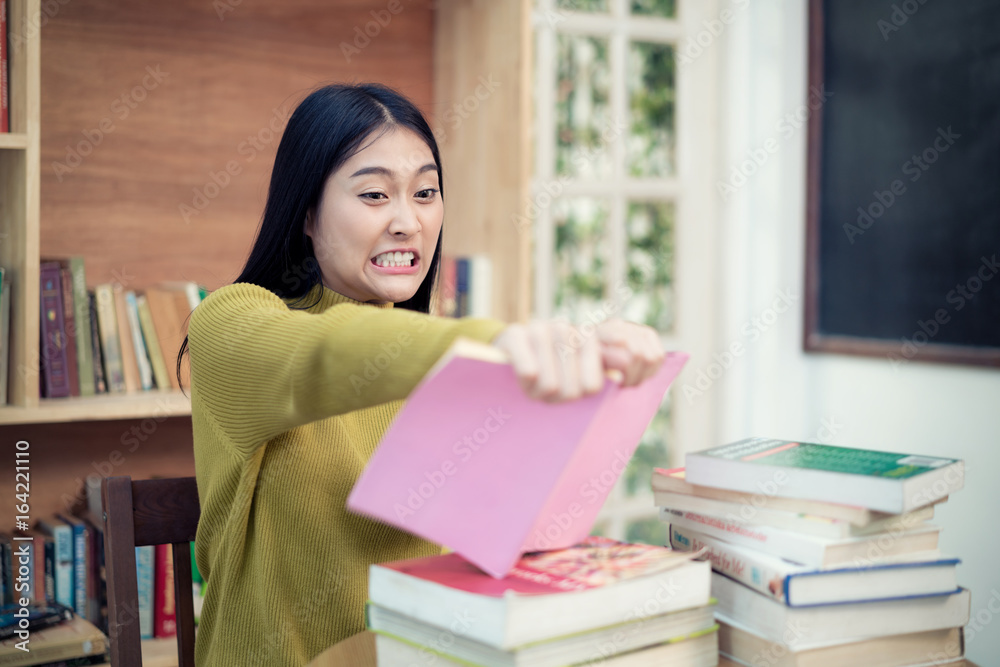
[(690, 191)]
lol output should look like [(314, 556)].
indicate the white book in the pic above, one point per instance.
[(840, 622), (702, 651), (923, 573), (809, 549), (138, 344)]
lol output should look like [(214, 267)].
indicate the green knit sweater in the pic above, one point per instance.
[(287, 406)]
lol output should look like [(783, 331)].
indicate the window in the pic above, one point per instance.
[(606, 195)]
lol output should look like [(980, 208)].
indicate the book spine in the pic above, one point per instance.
[(80, 544), (53, 350), (144, 578), (81, 312), (50, 570), (130, 363), (164, 616), (110, 343), (4, 70), (100, 385), (141, 355), (446, 293), (152, 343), (63, 538), (38, 558), (734, 562), (95, 557), (480, 286), (69, 320)]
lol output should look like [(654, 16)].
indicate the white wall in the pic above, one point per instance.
[(773, 388)]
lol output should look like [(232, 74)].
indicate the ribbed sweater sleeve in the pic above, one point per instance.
[(263, 368)]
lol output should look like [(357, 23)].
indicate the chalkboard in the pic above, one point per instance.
[(903, 183)]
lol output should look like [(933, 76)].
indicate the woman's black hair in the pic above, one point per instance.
[(326, 129)]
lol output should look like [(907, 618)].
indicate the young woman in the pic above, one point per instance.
[(342, 271)]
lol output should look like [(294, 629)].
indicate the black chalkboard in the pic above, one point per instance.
[(904, 180)]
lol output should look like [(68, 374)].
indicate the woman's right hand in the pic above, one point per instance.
[(556, 361)]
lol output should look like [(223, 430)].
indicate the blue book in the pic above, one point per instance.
[(81, 543), (144, 581), (462, 275), (62, 539)]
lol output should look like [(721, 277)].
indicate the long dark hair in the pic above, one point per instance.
[(326, 129)]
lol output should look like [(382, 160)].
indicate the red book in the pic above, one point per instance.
[(164, 611), (4, 79), (53, 329)]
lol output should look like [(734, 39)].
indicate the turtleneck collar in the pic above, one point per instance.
[(328, 298)]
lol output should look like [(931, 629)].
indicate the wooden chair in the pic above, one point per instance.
[(137, 513)]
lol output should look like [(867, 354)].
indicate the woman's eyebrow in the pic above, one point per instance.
[(389, 173)]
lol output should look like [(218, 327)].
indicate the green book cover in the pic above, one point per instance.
[(805, 455)]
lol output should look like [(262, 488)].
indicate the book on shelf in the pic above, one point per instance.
[(100, 381), (922, 573), (61, 534), (82, 329), (164, 612), (126, 342), (107, 321), (143, 364), (71, 639), (883, 481), (169, 309), (549, 595), (443, 468), (81, 562), (70, 326), (939, 648), (161, 375), (55, 372), (32, 544), (145, 557), (39, 615)]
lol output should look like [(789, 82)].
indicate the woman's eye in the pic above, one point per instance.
[(427, 194), (374, 195)]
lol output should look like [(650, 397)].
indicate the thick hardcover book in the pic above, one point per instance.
[(81, 317), (801, 586), (61, 535), (107, 320), (164, 612), (883, 481), (549, 594), (443, 470), (838, 622), (53, 329), (809, 549), (72, 639)]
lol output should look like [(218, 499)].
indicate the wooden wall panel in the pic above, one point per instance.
[(230, 65), (119, 206)]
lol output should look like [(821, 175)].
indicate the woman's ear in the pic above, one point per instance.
[(310, 223)]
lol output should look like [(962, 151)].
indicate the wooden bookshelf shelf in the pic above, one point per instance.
[(99, 408), (13, 140)]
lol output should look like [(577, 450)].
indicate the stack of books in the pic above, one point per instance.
[(600, 601), (822, 555)]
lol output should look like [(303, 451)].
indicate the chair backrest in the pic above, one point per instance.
[(139, 513)]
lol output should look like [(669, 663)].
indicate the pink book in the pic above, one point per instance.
[(474, 464)]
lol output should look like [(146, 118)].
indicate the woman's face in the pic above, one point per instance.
[(377, 222)]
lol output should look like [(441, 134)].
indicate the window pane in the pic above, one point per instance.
[(651, 453), (579, 263), (667, 8), (583, 5), (650, 264), (583, 108), (650, 149), (647, 531)]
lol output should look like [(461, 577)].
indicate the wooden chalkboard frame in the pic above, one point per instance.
[(813, 339)]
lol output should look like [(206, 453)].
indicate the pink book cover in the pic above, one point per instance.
[(593, 563), (474, 464)]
